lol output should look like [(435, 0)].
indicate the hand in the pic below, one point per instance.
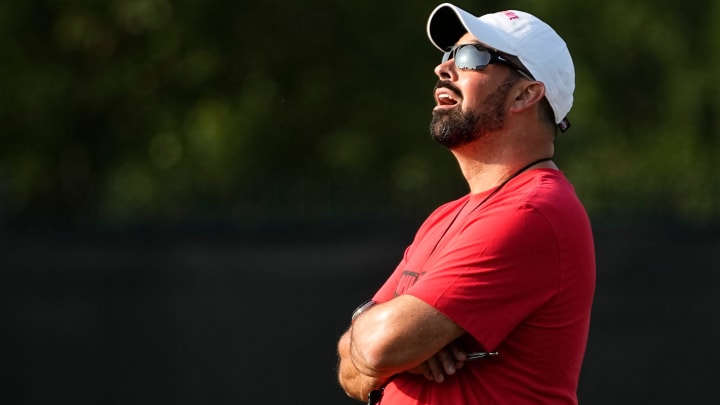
[(445, 362)]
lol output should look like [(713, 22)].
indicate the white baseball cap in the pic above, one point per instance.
[(539, 48)]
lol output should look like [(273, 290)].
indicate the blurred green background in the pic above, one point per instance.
[(135, 111), (194, 194)]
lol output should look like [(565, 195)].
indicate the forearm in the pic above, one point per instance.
[(399, 335), (356, 384)]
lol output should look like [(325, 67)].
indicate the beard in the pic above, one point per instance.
[(453, 128)]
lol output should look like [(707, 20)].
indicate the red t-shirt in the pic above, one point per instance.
[(517, 273)]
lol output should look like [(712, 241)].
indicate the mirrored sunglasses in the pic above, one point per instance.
[(477, 57)]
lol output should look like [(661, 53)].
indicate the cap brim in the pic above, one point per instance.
[(448, 23)]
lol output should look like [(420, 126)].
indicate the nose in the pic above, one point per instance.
[(446, 70)]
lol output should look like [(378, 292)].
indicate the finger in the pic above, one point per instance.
[(436, 369), (427, 373), (447, 361), (458, 352)]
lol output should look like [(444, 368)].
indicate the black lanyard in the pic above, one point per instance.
[(506, 181)]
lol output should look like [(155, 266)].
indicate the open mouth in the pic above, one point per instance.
[(445, 97)]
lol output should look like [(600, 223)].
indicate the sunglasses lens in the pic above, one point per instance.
[(470, 57), (446, 56)]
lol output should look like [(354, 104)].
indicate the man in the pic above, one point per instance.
[(505, 274)]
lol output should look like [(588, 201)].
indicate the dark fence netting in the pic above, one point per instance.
[(221, 318)]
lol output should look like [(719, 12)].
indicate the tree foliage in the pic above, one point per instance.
[(150, 110)]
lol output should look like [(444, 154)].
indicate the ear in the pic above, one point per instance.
[(528, 95)]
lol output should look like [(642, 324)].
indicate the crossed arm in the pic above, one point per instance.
[(402, 335)]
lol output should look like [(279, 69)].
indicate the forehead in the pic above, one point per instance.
[(468, 38)]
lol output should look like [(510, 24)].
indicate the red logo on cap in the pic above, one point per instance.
[(511, 15)]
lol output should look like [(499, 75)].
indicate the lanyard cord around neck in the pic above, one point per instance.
[(506, 181)]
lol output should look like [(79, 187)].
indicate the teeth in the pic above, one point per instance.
[(446, 99)]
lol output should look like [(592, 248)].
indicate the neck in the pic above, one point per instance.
[(483, 172)]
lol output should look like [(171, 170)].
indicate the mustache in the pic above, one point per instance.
[(447, 85)]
